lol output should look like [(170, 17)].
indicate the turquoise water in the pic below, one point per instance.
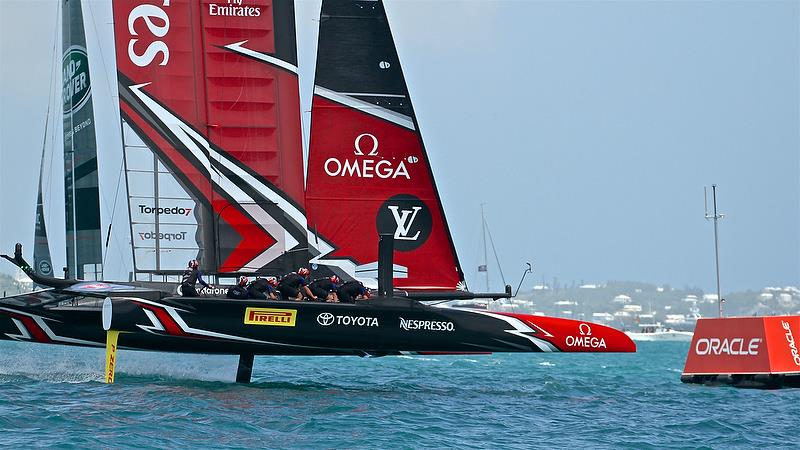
[(53, 397)]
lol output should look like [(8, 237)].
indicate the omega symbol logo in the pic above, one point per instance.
[(408, 219), (359, 143), (585, 329), (325, 319)]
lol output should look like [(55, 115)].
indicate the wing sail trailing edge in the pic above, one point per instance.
[(368, 171)]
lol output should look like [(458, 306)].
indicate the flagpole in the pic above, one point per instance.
[(716, 216)]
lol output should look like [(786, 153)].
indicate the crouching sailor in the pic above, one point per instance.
[(262, 288), (239, 291), (191, 276), (351, 291), (325, 288), (294, 286)]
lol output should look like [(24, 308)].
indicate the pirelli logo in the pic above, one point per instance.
[(270, 316)]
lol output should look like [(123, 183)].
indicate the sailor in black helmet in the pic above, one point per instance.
[(294, 286), (191, 276), (351, 291)]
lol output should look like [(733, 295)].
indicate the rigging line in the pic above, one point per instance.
[(494, 250), (102, 58), (51, 99), (114, 210)]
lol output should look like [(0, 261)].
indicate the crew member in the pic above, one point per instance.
[(294, 286), (191, 276), (351, 291), (239, 291), (262, 288), (325, 288)]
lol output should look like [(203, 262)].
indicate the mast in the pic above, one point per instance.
[(485, 254), (716, 216)]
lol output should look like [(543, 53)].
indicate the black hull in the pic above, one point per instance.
[(377, 327)]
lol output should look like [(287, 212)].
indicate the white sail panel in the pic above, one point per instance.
[(164, 224)]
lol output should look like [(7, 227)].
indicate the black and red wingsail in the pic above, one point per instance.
[(368, 171), (211, 126)]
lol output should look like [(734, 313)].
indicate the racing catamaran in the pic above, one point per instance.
[(210, 116)]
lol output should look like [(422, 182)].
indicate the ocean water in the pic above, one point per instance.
[(53, 397)]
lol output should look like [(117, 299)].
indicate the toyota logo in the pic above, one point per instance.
[(325, 319)]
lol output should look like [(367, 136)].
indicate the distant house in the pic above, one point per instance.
[(565, 303), (587, 286), (709, 298), (632, 308), (602, 317), (622, 298), (691, 298)]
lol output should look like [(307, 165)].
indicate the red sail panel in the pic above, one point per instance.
[(368, 172), (253, 107), (210, 89)]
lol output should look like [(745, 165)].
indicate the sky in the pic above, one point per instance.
[(587, 129)]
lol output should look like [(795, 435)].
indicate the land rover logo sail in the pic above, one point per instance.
[(76, 89), (45, 268), (408, 218)]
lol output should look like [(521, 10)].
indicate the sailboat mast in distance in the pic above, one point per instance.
[(210, 109), (485, 267), (368, 172), (82, 200), (42, 261), (715, 216)]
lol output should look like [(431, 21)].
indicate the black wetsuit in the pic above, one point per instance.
[(290, 285), (350, 290), (237, 292), (259, 288), (321, 287), (190, 277)]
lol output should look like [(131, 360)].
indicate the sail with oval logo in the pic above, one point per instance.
[(42, 262), (81, 187), (211, 128), (368, 171)]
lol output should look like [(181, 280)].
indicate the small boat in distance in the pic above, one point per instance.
[(657, 332)]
